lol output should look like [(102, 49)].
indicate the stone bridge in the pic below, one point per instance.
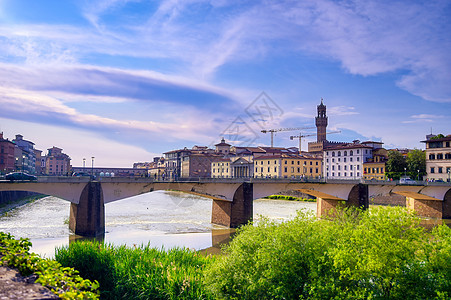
[(232, 198)]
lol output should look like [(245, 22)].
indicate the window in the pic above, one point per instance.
[(316, 170), (350, 174), (298, 162), (345, 169), (358, 158), (338, 159), (344, 159), (292, 170), (440, 156), (447, 144), (339, 167), (333, 167), (358, 168), (275, 169), (285, 162), (333, 174), (292, 162), (339, 174), (286, 170), (311, 170), (350, 159), (448, 156), (345, 174), (316, 163), (256, 169), (358, 151), (432, 170), (311, 163), (358, 174), (345, 154), (261, 170), (431, 156), (269, 169), (339, 154), (333, 159), (327, 160), (333, 153), (440, 169), (299, 170), (351, 153), (268, 162)]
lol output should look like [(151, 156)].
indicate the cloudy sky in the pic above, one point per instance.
[(126, 80)]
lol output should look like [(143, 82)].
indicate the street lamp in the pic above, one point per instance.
[(92, 165), (405, 172), (418, 175), (84, 162)]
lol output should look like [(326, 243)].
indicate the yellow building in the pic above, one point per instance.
[(221, 168), (374, 168), (287, 166)]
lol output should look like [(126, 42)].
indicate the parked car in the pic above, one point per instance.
[(83, 174), (20, 176), (407, 181)]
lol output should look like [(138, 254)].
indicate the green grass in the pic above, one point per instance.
[(140, 272), (289, 198)]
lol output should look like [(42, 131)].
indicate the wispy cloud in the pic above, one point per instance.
[(423, 118), (342, 111)]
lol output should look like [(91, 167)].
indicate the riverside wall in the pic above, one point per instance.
[(7, 197)]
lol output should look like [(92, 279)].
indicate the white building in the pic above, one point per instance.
[(346, 161), (438, 158)]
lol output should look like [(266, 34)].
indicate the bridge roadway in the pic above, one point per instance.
[(232, 198)]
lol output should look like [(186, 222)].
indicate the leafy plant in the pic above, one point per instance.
[(65, 282)]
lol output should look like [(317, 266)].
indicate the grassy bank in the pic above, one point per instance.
[(383, 253), (289, 198), (140, 272)]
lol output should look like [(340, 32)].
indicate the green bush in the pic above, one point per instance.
[(380, 254), (139, 272), (65, 282)]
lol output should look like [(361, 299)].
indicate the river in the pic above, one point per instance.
[(162, 219)]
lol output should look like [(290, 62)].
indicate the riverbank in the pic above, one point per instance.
[(8, 204)]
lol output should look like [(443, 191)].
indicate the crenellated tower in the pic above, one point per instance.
[(321, 122)]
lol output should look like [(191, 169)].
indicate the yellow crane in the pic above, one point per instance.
[(300, 136), (282, 129)]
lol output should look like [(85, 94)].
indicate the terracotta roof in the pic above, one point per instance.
[(347, 146)]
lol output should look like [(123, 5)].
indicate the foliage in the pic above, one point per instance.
[(416, 161), (289, 198), (65, 282), (395, 165), (380, 254), (438, 136), (139, 272)]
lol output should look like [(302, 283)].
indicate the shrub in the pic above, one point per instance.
[(65, 282), (377, 254)]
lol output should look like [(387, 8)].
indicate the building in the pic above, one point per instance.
[(438, 158), (321, 122), (374, 168), (287, 166), (6, 155), (57, 163), (197, 164), (221, 168), (346, 161), (222, 148), (25, 156), (111, 172), (243, 167)]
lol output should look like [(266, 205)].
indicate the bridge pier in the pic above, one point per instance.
[(236, 213), (87, 218)]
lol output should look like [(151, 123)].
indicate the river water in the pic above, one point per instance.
[(162, 219)]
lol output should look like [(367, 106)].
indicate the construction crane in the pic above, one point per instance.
[(300, 136), (282, 129)]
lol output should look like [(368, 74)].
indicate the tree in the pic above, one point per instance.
[(396, 165), (416, 163)]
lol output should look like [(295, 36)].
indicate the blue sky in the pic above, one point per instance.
[(126, 80)]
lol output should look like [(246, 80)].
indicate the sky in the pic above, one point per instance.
[(127, 80)]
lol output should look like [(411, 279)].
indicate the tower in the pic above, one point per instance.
[(321, 122)]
